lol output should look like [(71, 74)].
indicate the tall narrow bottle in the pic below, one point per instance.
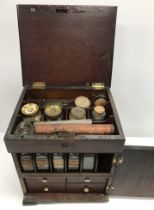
[(58, 162), (42, 162), (73, 162), (88, 162), (26, 162)]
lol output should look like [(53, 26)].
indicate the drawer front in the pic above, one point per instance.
[(87, 179), (45, 179), (85, 188), (42, 184)]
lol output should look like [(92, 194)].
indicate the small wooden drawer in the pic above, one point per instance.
[(46, 179), (87, 179), (85, 188), (45, 184)]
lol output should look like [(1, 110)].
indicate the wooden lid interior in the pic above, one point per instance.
[(66, 45)]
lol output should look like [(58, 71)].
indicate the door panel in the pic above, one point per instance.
[(135, 177)]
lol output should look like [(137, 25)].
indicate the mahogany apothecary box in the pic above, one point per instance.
[(66, 52)]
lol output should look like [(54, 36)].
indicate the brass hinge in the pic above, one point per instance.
[(98, 85), (109, 189), (38, 85), (118, 161)]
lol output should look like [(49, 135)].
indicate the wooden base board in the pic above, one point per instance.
[(35, 198)]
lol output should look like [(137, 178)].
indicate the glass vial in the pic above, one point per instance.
[(73, 162), (42, 162), (58, 162), (88, 162), (26, 162)]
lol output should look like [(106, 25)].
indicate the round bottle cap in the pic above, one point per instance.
[(53, 110), (29, 109), (100, 102), (82, 101)]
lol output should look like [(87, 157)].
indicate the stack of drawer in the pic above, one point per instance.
[(37, 184), (86, 184), (69, 183)]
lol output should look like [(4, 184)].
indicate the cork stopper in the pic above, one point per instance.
[(100, 102), (99, 109)]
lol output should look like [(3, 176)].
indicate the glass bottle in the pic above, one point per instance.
[(88, 162), (58, 162), (42, 161)]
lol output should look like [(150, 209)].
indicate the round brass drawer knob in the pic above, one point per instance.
[(44, 180), (46, 189), (87, 180), (86, 190)]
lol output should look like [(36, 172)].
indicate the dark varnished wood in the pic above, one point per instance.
[(35, 198), (135, 177), (17, 166), (98, 143), (54, 185), (79, 187), (67, 47), (57, 41), (33, 145)]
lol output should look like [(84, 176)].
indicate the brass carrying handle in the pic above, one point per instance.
[(64, 135)]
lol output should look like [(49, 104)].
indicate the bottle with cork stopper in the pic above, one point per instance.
[(98, 114)]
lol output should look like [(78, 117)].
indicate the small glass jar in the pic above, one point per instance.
[(36, 118), (98, 114), (24, 128)]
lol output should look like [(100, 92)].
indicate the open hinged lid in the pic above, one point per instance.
[(66, 45)]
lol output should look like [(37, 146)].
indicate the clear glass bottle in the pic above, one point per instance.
[(58, 162), (26, 162), (73, 162), (42, 161), (88, 162)]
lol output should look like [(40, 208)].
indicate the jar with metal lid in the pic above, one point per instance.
[(53, 111), (31, 112)]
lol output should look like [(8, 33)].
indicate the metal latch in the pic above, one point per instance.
[(38, 85), (98, 85), (65, 135)]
